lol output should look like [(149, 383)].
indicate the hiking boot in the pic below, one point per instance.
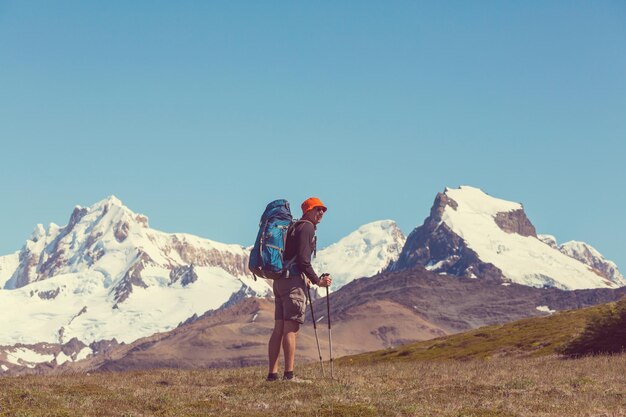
[(272, 377), (296, 380)]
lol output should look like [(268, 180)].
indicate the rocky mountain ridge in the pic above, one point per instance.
[(111, 231), (588, 255)]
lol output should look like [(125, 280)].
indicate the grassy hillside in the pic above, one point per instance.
[(498, 387), (529, 337), (498, 371)]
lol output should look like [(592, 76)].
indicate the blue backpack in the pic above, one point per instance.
[(266, 258)]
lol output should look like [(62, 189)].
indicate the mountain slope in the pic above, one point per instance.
[(472, 234), (231, 337), (528, 337), (384, 311)]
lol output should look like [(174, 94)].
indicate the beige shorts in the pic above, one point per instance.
[(289, 299)]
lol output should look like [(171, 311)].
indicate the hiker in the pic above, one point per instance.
[(290, 292)]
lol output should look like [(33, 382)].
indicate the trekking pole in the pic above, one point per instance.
[(319, 351), (330, 337)]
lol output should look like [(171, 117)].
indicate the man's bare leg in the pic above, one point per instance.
[(290, 331), (273, 346)]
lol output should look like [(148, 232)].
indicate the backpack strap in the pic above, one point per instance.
[(293, 225), (314, 242), (287, 267), (292, 231)]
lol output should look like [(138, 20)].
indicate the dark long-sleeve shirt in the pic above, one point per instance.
[(301, 244)]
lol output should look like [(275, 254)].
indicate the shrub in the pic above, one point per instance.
[(604, 334)]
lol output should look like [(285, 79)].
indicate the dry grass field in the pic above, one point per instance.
[(498, 386), (505, 370)]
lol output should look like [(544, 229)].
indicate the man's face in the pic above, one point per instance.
[(316, 214)]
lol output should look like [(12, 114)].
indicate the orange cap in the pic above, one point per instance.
[(311, 203)]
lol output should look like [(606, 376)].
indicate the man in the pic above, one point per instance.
[(290, 291)]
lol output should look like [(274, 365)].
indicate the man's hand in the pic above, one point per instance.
[(325, 280)]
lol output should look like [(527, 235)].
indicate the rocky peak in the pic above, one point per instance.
[(77, 214), (185, 274), (105, 204), (442, 200), (588, 255), (78, 245), (510, 217), (515, 221), (472, 234), (38, 233), (435, 246), (113, 201), (33, 255), (132, 278), (548, 240)]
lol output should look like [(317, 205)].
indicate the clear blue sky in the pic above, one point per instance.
[(199, 113)]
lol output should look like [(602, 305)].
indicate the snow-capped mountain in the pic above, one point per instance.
[(363, 253), (588, 255), (472, 234), (108, 275)]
